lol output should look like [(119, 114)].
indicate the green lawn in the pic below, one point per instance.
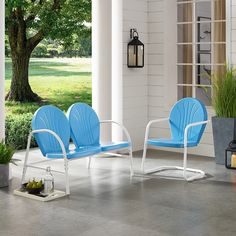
[(60, 82)]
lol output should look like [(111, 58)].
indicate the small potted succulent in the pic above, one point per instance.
[(34, 187), (6, 154)]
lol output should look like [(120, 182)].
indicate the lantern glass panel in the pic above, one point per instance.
[(140, 55), (132, 55)]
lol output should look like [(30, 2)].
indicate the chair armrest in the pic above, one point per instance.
[(121, 126), (190, 126), (52, 133), (149, 125), (156, 121)]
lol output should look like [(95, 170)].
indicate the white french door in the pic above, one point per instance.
[(201, 46)]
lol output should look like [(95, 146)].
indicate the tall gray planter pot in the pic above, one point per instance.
[(223, 132), (4, 175)]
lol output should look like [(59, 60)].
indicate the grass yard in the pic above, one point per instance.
[(60, 82)]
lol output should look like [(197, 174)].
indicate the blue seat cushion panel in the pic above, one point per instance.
[(108, 146), (77, 153), (51, 118), (84, 125), (170, 143), (185, 112)]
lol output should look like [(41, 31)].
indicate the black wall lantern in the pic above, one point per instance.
[(231, 149), (135, 51)]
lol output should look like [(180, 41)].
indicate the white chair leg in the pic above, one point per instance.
[(89, 162), (197, 174), (67, 177), (24, 170), (144, 157), (131, 161), (185, 162), (26, 159)]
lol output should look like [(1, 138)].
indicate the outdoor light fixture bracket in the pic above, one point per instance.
[(132, 32)]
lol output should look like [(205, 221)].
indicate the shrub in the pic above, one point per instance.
[(224, 93), (6, 153), (18, 128), (40, 50)]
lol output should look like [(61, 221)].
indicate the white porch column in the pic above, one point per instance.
[(2, 69), (117, 67), (101, 61)]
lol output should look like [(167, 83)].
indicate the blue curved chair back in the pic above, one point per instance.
[(52, 118), (84, 124), (184, 112)]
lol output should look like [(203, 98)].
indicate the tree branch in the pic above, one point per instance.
[(38, 37), (35, 40), (12, 31), (30, 18), (56, 4), (21, 34), (12, 34)]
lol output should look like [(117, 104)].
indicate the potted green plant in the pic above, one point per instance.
[(224, 103), (6, 154)]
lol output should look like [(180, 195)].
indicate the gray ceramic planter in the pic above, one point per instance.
[(223, 132), (4, 175)]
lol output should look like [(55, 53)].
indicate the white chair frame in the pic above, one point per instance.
[(66, 160), (198, 174), (130, 148)]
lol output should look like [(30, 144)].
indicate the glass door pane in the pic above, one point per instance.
[(185, 32), (185, 53), (203, 93), (203, 10), (184, 12), (184, 91), (219, 10), (185, 74)]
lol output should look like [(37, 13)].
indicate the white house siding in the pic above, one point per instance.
[(156, 68), (135, 81)]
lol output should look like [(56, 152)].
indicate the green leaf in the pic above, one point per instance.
[(224, 93), (6, 153)]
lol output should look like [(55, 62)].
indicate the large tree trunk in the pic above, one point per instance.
[(20, 88), (21, 49)]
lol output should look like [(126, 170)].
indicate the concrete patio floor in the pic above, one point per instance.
[(105, 201)]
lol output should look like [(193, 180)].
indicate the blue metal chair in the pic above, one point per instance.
[(188, 119), (85, 131), (51, 129)]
